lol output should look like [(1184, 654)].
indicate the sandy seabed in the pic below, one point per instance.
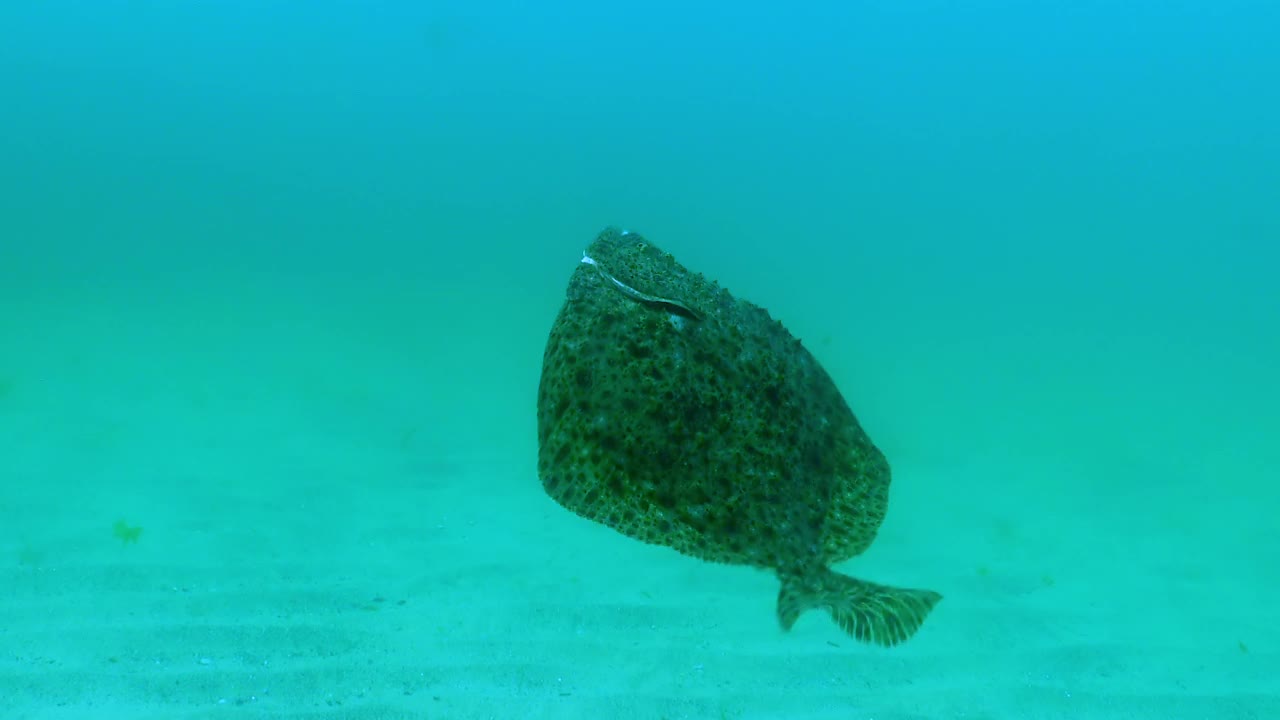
[(208, 513)]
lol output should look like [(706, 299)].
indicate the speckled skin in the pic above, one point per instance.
[(703, 425)]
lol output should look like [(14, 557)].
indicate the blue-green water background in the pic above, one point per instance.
[(1041, 237)]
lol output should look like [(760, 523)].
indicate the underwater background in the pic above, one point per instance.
[(275, 280)]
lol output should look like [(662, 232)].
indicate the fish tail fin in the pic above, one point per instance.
[(868, 612)]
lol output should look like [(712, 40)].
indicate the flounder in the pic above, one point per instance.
[(680, 415)]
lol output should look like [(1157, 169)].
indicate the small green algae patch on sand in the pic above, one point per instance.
[(30, 556), (126, 533)]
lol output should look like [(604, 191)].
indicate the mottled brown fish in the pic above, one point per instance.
[(680, 415)]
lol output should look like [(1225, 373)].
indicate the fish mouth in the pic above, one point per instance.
[(675, 307)]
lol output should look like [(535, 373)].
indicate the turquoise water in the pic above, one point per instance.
[(275, 281)]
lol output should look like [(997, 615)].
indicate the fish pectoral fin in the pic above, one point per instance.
[(868, 612)]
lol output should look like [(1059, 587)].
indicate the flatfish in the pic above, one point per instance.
[(680, 415)]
